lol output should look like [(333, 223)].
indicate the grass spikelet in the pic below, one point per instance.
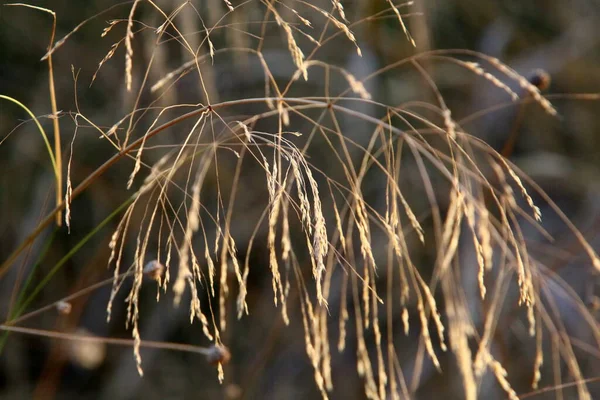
[(111, 24), (294, 49), (247, 133), (524, 277), (342, 27), (381, 371), (283, 113), (536, 210), (338, 224), (196, 311), (241, 300), (362, 224), (344, 316), (304, 203), (426, 335), (211, 268), (451, 228), (286, 242), (302, 19), (320, 241), (129, 47), (337, 4), (136, 348), (138, 163), (477, 69), (479, 250), (414, 222), (500, 374), (223, 287), (312, 342), (184, 274), (116, 245), (211, 47), (458, 336), (435, 314), (357, 86), (326, 358), (539, 360), (449, 123), (275, 200), (485, 237), (364, 368), (69, 187), (228, 4), (401, 20), (108, 56)]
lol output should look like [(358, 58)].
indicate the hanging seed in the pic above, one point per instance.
[(218, 354), (154, 269), (540, 79), (64, 307)]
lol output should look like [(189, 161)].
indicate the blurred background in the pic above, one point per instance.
[(561, 154)]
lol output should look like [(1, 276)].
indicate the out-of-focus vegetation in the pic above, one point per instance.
[(301, 187)]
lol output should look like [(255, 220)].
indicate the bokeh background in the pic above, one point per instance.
[(268, 358)]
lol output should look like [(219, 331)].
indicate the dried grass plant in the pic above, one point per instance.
[(365, 230)]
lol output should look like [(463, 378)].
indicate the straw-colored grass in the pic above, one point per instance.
[(333, 251)]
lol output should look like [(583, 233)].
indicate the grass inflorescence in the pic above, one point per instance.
[(375, 222)]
